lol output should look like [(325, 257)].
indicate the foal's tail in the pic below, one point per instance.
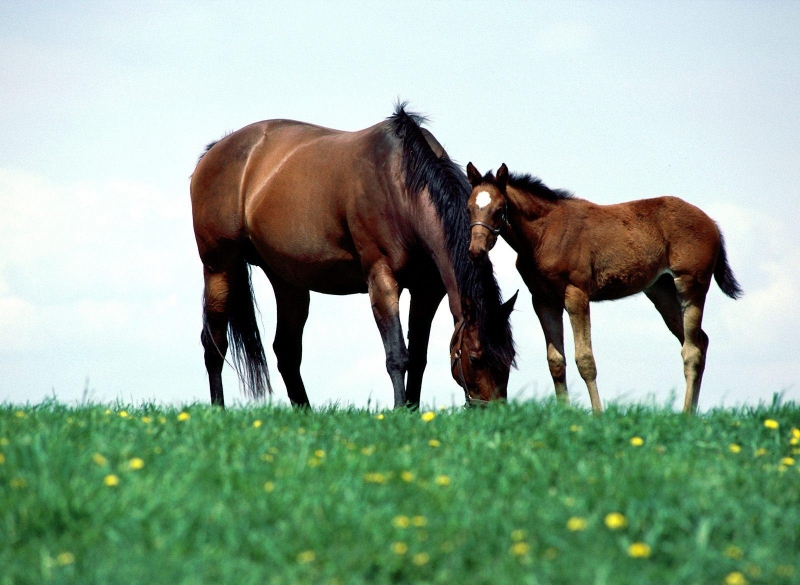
[(723, 273), (245, 340)]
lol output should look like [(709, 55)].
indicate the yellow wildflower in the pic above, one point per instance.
[(576, 524), (407, 476), (734, 448), (374, 478), (20, 414), (399, 548), (442, 480), (2, 458), (733, 552), (162, 419), (269, 487), (184, 416), (576, 428), (421, 559), (760, 452), (368, 450), (434, 443), (520, 548), (771, 424), (428, 416), (305, 557), (735, 578), (639, 550), (319, 453), (111, 480), (517, 535), (65, 558), (257, 424), (136, 463), (419, 521), (380, 416), (123, 414), (146, 420), (401, 521), (637, 441), (616, 521), (787, 461)]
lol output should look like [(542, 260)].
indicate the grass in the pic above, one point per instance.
[(518, 493)]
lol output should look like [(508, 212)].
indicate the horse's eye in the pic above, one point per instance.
[(474, 360)]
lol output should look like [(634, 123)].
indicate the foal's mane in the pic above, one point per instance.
[(449, 189), (534, 186)]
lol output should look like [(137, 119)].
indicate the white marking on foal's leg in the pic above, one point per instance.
[(483, 199)]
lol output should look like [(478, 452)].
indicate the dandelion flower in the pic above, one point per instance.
[(517, 535), (787, 461), (520, 548), (734, 448), (442, 480), (380, 416), (136, 463), (615, 521), (368, 450), (576, 428), (428, 416), (401, 521), (123, 414), (20, 414), (637, 441), (184, 416), (760, 452), (257, 424), (146, 420), (796, 433), (374, 478), (269, 487), (399, 548), (771, 424), (65, 558), (639, 550), (419, 521), (319, 453), (421, 559), (111, 480), (305, 557), (407, 476), (735, 578), (434, 443), (576, 524), (733, 552)]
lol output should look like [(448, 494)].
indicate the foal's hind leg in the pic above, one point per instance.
[(215, 328), (577, 304), (424, 302), (552, 321), (292, 304), (664, 296), (695, 343)]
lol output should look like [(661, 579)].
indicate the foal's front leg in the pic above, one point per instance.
[(384, 293), (577, 304), (552, 321)]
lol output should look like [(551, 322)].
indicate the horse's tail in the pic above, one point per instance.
[(245, 340), (723, 273)]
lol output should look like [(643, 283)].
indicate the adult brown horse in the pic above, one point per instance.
[(377, 211), (571, 251)]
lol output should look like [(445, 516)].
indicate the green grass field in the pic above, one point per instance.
[(528, 493)]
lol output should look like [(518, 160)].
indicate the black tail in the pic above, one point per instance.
[(245, 340), (724, 275)]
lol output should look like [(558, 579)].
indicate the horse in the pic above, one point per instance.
[(375, 211), (571, 252)]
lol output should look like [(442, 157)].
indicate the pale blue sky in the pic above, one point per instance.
[(105, 108)]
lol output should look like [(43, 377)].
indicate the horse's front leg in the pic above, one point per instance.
[(384, 294), (424, 302)]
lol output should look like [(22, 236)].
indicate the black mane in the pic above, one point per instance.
[(450, 190), (535, 187)]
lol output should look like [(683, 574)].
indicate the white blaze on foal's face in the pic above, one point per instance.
[(483, 199)]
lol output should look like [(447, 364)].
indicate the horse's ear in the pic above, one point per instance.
[(508, 306), (502, 177), (475, 178)]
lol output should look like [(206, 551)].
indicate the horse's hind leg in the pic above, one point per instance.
[(695, 343), (664, 296), (292, 304), (552, 321), (577, 304), (215, 328), (424, 302)]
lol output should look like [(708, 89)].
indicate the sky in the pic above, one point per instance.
[(105, 107)]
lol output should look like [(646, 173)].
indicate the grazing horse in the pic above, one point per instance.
[(571, 251), (375, 211)]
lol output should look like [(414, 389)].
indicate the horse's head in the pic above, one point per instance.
[(488, 210), (483, 379)]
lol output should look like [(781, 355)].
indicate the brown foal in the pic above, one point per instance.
[(571, 251), (375, 211)]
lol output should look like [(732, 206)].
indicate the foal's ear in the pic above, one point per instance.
[(508, 306), (475, 178), (502, 177)]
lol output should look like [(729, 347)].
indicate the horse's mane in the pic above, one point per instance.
[(535, 187), (449, 189)]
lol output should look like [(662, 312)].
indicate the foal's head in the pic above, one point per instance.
[(482, 376), (488, 210)]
